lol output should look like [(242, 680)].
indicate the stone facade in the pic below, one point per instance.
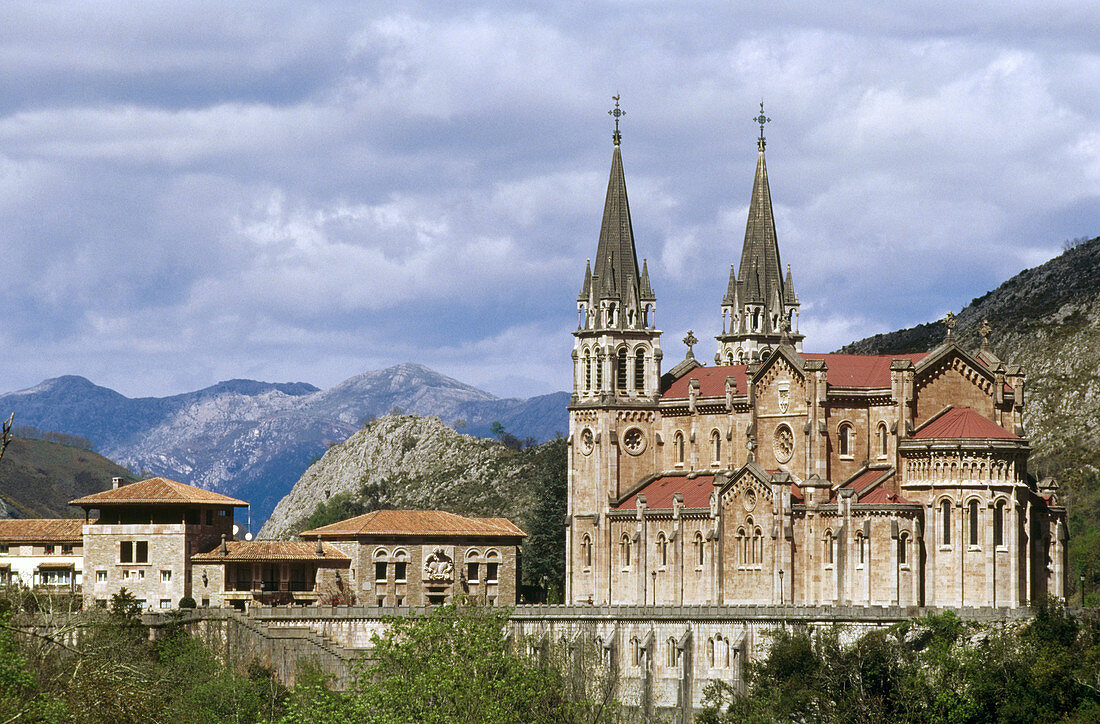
[(418, 558), (43, 553), (144, 536), (786, 477)]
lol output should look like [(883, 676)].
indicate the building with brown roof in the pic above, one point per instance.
[(142, 536), (779, 476), (422, 557), (42, 553), (239, 573)]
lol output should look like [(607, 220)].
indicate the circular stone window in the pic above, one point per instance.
[(750, 499), (784, 443), (634, 441), (588, 441)]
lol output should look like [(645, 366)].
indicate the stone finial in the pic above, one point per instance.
[(949, 321), (984, 331), (320, 548), (225, 548), (690, 340), (784, 330)]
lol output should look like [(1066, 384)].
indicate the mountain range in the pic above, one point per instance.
[(252, 439)]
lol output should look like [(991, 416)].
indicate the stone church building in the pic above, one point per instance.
[(778, 476)]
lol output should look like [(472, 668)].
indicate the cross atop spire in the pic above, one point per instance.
[(761, 119), (617, 113)]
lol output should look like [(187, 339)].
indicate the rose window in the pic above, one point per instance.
[(784, 444), (634, 441)]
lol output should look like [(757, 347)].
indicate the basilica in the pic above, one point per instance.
[(778, 476)]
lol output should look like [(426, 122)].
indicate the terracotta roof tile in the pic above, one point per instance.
[(845, 370), (712, 382), (861, 370), (156, 490), (60, 530), (962, 423), (417, 523), (882, 496), (867, 478), (271, 550), (659, 492)]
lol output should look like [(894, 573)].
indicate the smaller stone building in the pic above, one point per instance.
[(238, 573), (422, 557), (144, 538), (42, 553)]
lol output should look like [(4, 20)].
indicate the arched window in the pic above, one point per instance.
[(828, 548), (624, 550), (620, 371), (673, 654), (381, 565), (635, 651), (757, 547), (716, 446), (599, 372), (973, 510), (742, 548), (999, 523), (698, 543), (860, 546), (678, 444), (756, 320), (945, 513), (729, 359), (639, 371), (662, 550), (710, 653), (586, 550), (845, 438), (883, 440), (903, 549), (611, 315), (587, 370)]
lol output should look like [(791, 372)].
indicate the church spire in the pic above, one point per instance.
[(616, 278), (759, 295)]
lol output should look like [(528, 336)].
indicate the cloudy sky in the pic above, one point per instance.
[(196, 192)]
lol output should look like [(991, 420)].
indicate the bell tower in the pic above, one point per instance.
[(760, 307), (616, 387)]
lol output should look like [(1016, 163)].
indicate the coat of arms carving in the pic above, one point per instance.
[(439, 567), (784, 396)]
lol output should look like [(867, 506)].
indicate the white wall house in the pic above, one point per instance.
[(45, 553)]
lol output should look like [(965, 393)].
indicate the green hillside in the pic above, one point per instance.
[(39, 478)]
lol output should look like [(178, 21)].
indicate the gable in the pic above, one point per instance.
[(952, 379)]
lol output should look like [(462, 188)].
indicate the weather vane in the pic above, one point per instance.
[(617, 113), (761, 119)]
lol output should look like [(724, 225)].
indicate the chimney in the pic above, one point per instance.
[(117, 483), (225, 548), (320, 550)]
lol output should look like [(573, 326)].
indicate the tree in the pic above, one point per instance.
[(544, 549), (454, 664)]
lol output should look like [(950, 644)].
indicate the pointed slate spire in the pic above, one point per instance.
[(616, 256), (647, 289), (586, 286), (761, 247), (788, 288)]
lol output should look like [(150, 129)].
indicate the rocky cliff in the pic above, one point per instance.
[(406, 461), (1046, 319)]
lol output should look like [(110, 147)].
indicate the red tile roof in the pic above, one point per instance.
[(845, 370), (56, 530), (417, 523), (962, 423), (271, 550), (864, 480), (659, 492), (861, 370), (156, 490), (712, 382), (882, 496)]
